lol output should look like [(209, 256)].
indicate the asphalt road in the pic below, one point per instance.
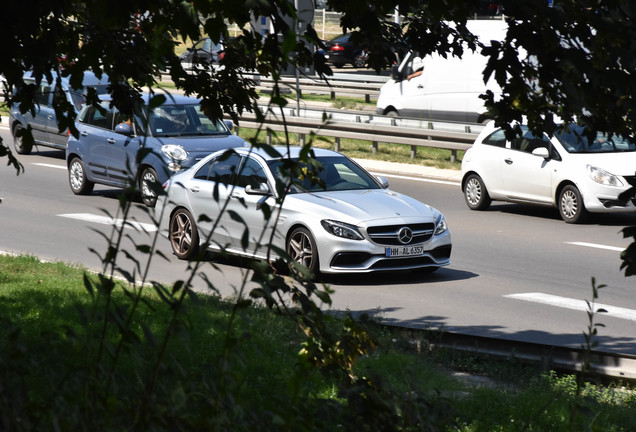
[(517, 272)]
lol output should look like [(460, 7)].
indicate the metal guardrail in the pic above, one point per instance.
[(340, 85), (376, 133)]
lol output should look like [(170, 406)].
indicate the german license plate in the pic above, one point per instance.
[(403, 251)]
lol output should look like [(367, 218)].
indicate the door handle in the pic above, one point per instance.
[(84, 133), (420, 86), (194, 189), (508, 161), (110, 141)]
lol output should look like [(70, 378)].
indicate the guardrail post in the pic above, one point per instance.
[(374, 146), (413, 151), (269, 137), (336, 144), (333, 95), (301, 139), (467, 129), (358, 119), (367, 98), (453, 156)]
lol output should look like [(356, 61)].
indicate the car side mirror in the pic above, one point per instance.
[(124, 129), (384, 182), (541, 152), (229, 124), (261, 189)]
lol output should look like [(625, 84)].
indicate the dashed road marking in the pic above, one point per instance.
[(597, 246), (50, 165), (105, 220), (574, 304)]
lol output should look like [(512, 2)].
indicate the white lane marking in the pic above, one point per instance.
[(105, 220), (421, 179), (579, 305), (597, 246), (50, 165)]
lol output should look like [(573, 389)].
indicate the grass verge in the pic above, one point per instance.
[(50, 340)]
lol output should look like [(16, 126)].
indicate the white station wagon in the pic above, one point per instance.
[(568, 171)]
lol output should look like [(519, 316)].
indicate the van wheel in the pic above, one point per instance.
[(80, 185), (475, 193), (21, 147), (392, 113), (571, 205)]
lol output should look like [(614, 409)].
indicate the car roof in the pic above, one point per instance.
[(291, 151), (90, 79), (171, 99)]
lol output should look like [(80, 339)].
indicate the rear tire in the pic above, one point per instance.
[(571, 205), (183, 235), (77, 180), (475, 193), (21, 147)]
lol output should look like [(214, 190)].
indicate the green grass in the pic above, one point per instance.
[(49, 344)]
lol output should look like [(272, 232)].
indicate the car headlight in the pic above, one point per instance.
[(341, 229), (601, 176), (174, 152), (440, 225)]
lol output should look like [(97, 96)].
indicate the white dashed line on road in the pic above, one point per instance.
[(105, 220), (597, 246), (574, 304)]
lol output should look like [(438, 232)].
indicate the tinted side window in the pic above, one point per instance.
[(43, 94), (97, 117), (252, 173), (221, 171), (529, 142), (496, 139)]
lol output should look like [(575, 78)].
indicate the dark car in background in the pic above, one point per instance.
[(117, 150), (341, 50), (205, 51), (43, 122)]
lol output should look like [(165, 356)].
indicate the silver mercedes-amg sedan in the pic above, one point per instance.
[(328, 214)]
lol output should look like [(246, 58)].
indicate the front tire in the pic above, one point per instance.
[(148, 184), (476, 194), (21, 147), (80, 185), (183, 235), (571, 205), (302, 248)]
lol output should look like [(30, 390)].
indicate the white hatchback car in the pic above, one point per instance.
[(567, 171)]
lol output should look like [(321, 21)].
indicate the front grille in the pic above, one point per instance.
[(388, 234)]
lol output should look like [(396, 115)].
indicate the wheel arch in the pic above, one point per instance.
[(295, 225), (465, 177), (559, 188)]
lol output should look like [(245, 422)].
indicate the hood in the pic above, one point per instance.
[(204, 143), (619, 163), (361, 206)]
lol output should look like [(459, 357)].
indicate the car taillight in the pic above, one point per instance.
[(165, 185), (337, 48), (221, 55)]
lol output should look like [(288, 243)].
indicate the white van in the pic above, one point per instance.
[(447, 88)]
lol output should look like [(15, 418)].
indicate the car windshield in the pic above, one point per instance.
[(335, 174), (574, 140), (184, 120)]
